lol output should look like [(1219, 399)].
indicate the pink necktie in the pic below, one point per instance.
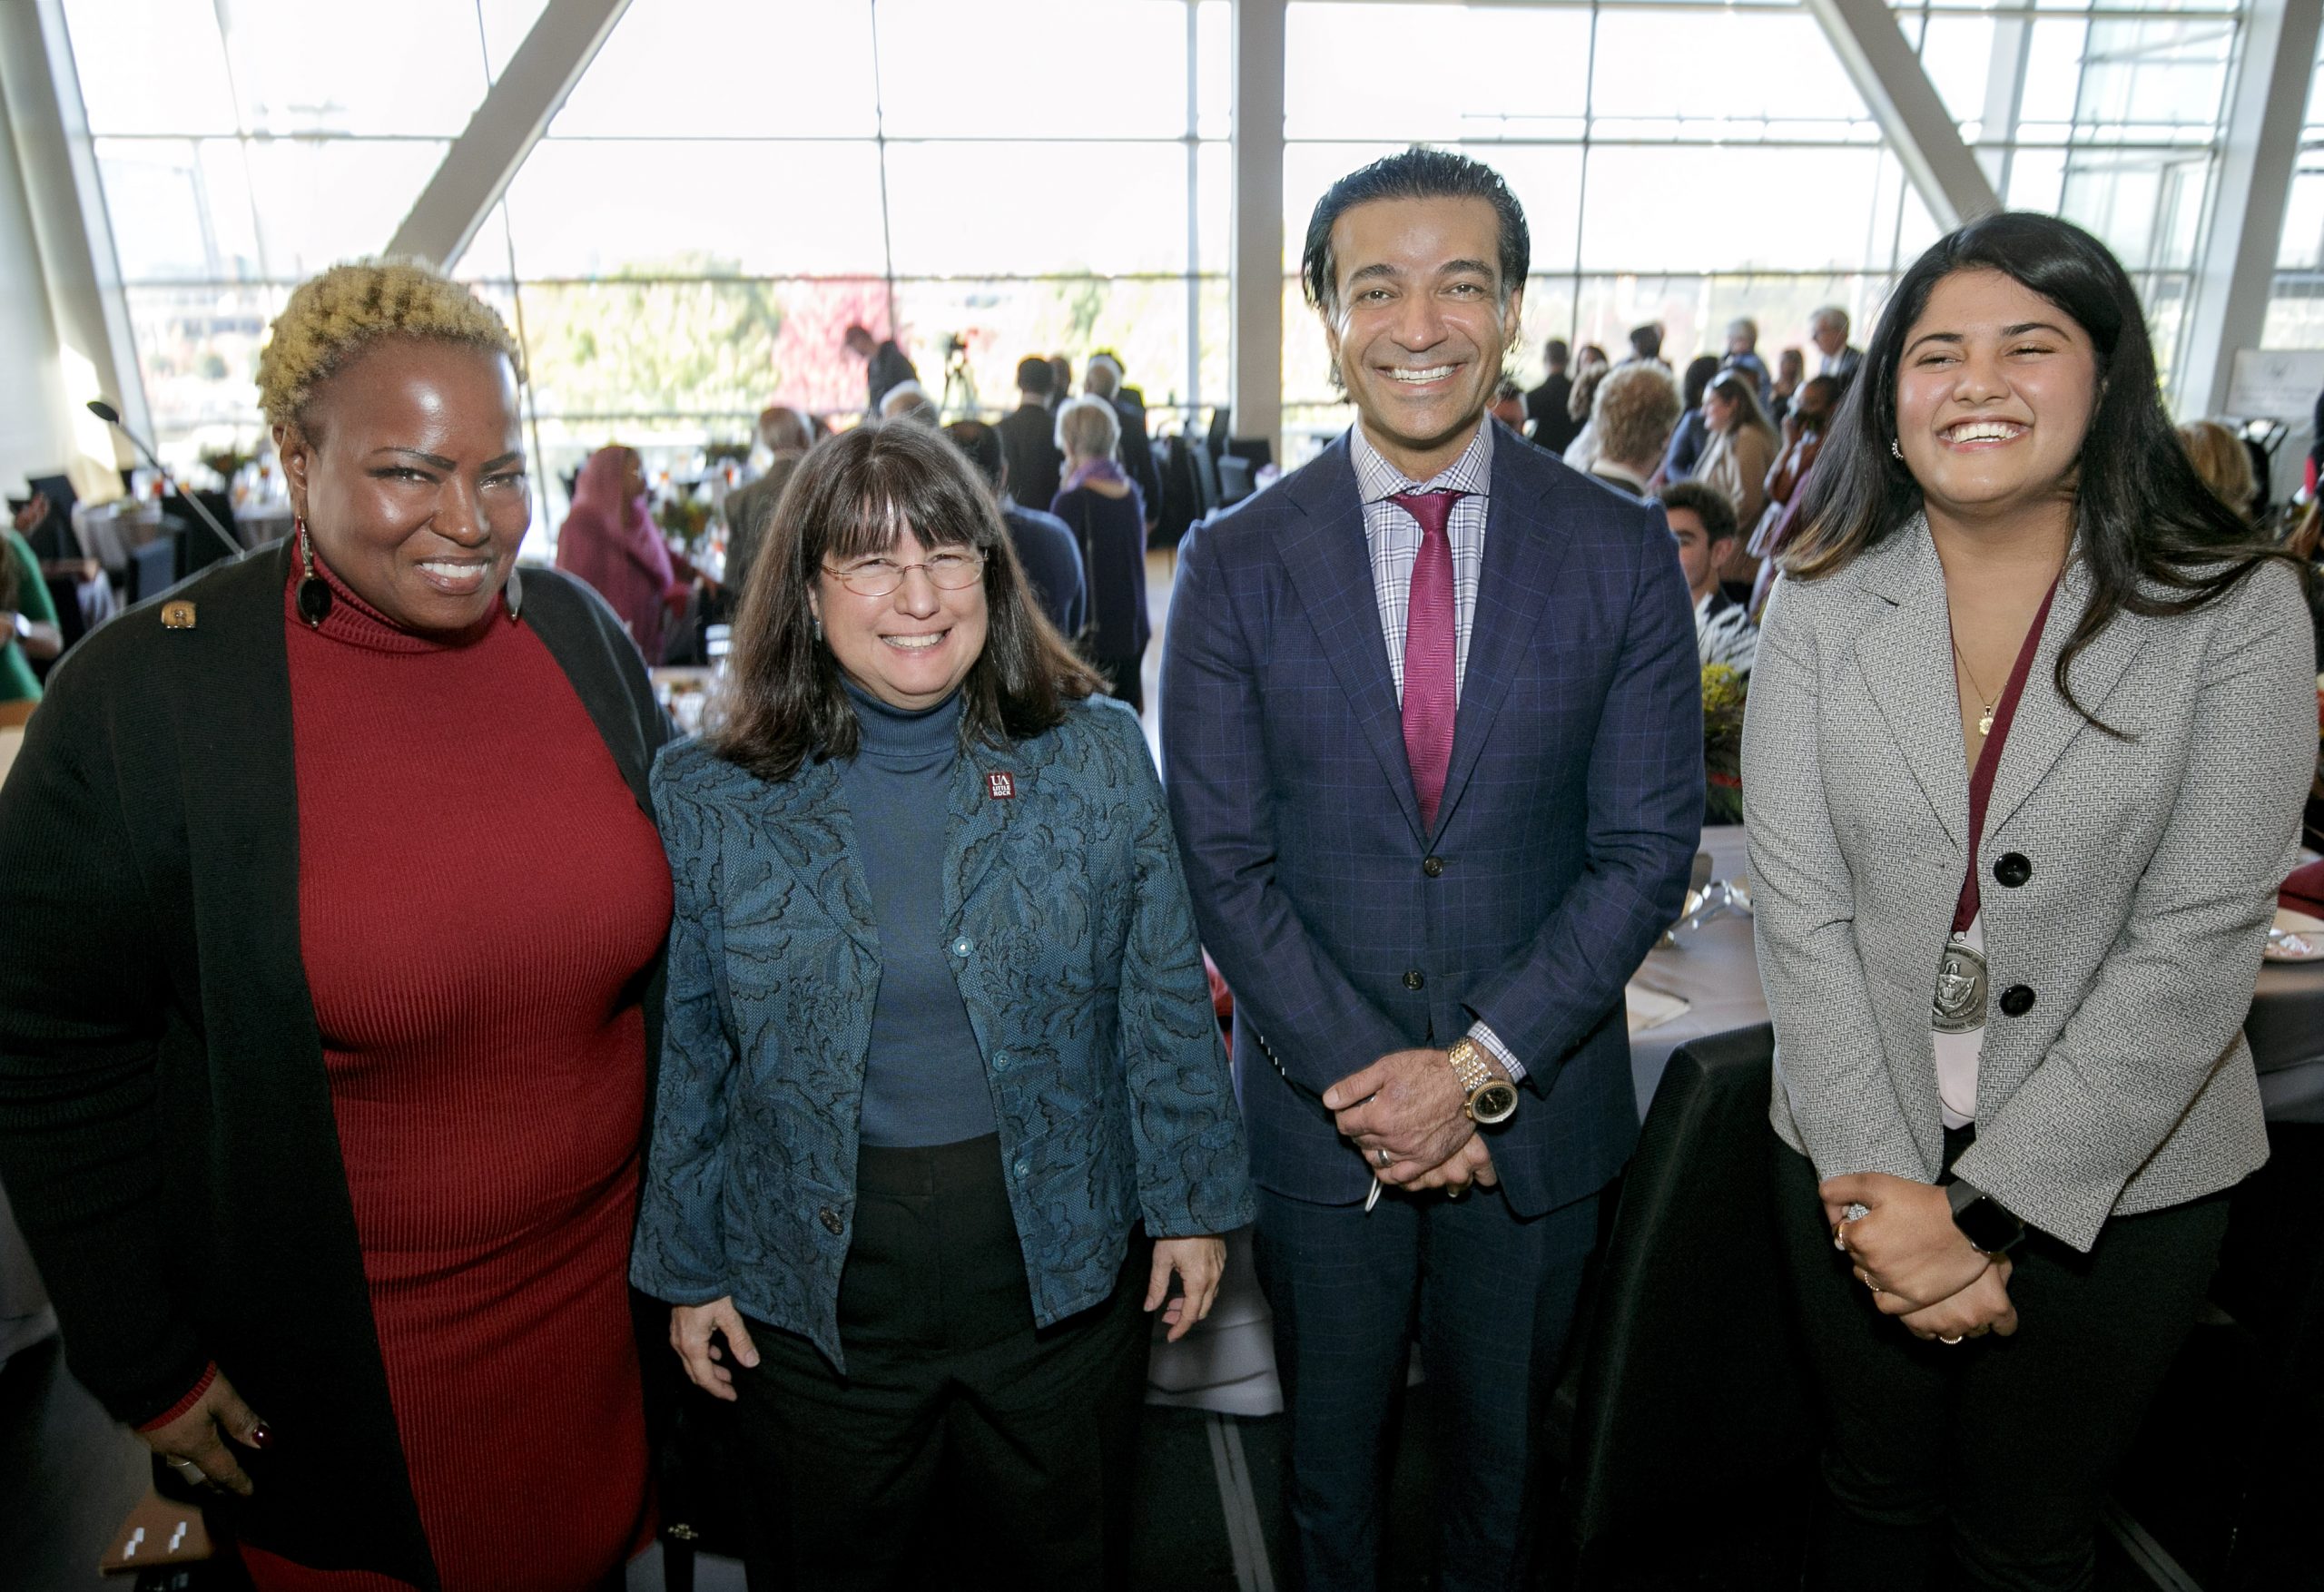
[(1431, 661)]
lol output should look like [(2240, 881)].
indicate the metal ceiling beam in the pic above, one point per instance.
[(2250, 189), (514, 114), (1255, 288), (1879, 60)]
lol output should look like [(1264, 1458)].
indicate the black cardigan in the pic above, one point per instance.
[(166, 1130)]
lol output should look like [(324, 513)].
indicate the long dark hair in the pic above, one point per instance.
[(2142, 518), (783, 701)]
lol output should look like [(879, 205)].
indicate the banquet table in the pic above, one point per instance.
[(1713, 968)]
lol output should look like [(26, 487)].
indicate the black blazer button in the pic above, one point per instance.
[(2013, 869), (1432, 866), (2017, 1000), (829, 1219), (1415, 978)]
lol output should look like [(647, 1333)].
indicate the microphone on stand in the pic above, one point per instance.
[(111, 416)]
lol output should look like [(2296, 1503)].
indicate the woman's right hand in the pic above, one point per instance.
[(195, 1443), (1983, 1306), (691, 1326)]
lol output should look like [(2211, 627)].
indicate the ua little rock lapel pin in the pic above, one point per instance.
[(177, 615), (1001, 787)]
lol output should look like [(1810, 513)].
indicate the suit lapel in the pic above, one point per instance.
[(1906, 659), (1523, 547), (1330, 565), (2045, 725)]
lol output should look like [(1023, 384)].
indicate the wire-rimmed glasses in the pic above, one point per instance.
[(951, 570)]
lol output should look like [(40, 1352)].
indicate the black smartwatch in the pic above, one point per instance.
[(1983, 1219)]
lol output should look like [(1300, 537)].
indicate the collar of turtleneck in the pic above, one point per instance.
[(902, 739), (355, 621)]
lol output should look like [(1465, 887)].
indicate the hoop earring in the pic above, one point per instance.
[(313, 596)]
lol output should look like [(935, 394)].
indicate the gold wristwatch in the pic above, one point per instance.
[(1491, 1097)]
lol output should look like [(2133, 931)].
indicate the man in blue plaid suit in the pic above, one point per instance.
[(1431, 728)]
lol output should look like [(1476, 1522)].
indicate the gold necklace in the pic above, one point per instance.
[(1986, 721)]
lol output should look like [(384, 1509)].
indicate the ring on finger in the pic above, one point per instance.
[(1950, 1337), (1383, 1158), (186, 1467)]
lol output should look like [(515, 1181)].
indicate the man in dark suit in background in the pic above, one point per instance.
[(1028, 436), (884, 364), (1431, 728), (1044, 543), (1103, 380), (1545, 405)]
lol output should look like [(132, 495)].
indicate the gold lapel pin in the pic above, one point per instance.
[(177, 615)]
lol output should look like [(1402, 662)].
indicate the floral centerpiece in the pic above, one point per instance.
[(1723, 696), (715, 453), (228, 462), (682, 518)]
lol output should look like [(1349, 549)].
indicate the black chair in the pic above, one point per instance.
[(198, 545), (1206, 479), (154, 568), (1683, 1416), (1233, 479)]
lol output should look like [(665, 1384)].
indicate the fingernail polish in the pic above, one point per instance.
[(261, 1436)]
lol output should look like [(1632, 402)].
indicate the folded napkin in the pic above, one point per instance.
[(2304, 890)]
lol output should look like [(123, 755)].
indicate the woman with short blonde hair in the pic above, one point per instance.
[(2222, 461), (1105, 512)]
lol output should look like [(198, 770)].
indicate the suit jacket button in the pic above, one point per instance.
[(1432, 866), (2017, 1000), (1415, 978), (2013, 869), (829, 1219)]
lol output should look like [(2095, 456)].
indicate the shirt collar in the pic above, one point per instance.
[(1378, 479)]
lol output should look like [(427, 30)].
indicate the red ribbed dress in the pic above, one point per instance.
[(478, 894)]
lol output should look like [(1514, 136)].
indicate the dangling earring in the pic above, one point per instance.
[(1894, 452), (313, 596), (514, 594), (816, 620)]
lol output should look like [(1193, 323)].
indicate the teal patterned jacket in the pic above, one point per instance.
[(1075, 949)]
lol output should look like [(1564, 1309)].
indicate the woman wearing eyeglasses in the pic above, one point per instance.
[(942, 1106)]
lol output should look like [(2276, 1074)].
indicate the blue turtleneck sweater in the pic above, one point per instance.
[(924, 1082)]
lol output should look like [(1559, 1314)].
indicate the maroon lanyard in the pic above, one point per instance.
[(1981, 779)]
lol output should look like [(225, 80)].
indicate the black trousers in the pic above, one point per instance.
[(956, 1414), (1982, 1464), (1491, 1298)]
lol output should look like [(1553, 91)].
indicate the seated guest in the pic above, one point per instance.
[(1637, 408), (1545, 405), (1101, 507), (1742, 450), (27, 614), (1693, 435), (1029, 436), (610, 542), (1837, 357), (1061, 381), (2223, 462), (1103, 380), (1813, 409), (2029, 731), (746, 512), (1743, 354), (1046, 550), (908, 400), (942, 1106), (1646, 345), (1791, 370), (1702, 522), (336, 916)]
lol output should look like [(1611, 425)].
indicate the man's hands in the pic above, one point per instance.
[(1409, 1105), (1918, 1264)]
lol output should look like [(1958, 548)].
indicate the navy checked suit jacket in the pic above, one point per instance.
[(1561, 848)]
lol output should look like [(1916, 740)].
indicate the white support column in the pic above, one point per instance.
[(1255, 292), (2249, 192), (504, 129), (95, 353), (2004, 98), (1879, 60)]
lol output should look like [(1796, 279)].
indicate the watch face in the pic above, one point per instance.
[(1987, 1225), (1496, 1102)]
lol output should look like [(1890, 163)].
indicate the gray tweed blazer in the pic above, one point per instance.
[(2126, 1084)]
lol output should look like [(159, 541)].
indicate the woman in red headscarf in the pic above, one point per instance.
[(612, 542)]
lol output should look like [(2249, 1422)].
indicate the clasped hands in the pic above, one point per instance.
[(1918, 1264), (1410, 1105)]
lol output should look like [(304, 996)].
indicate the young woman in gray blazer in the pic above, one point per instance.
[(2028, 735)]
